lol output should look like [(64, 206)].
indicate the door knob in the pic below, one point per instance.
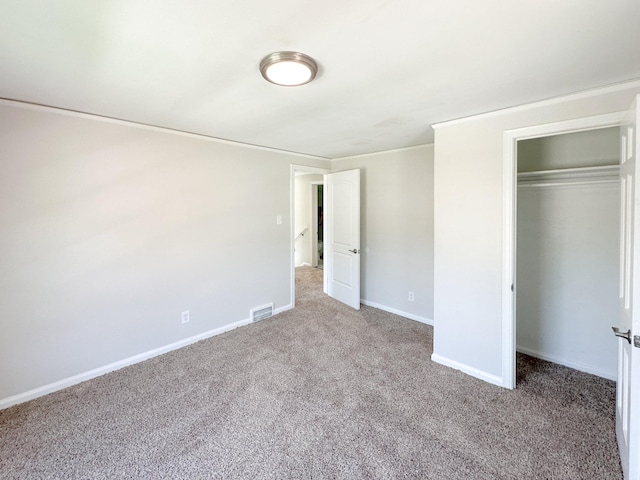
[(354, 251), (625, 335)]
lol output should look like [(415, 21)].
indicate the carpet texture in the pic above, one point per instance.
[(321, 391)]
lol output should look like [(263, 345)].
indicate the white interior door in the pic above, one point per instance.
[(628, 328), (342, 236)]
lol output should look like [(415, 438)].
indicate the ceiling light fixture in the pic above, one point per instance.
[(288, 69)]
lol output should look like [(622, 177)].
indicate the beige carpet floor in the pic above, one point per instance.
[(321, 391)]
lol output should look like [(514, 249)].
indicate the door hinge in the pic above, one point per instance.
[(636, 341)]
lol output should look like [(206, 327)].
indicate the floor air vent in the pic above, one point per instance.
[(260, 313)]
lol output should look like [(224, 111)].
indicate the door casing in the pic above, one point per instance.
[(510, 151)]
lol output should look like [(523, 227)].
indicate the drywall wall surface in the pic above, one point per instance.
[(304, 217), (396, 228), (468, 224), (571, 150), (110, 231), (567, 274)]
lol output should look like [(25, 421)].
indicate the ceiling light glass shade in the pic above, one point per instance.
[(288, 69)]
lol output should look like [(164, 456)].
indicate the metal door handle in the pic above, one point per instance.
[(618, 333), (354, 251)]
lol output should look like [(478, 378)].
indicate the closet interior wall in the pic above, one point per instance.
[(568, 249)]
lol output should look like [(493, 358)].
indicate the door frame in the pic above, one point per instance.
[(292, 218), (509, 221)]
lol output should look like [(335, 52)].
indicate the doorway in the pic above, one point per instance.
[(305, 182), (340, 230), (567, 249), (510, 149), (317, 200)]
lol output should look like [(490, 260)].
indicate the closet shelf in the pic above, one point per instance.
[(569, 176)]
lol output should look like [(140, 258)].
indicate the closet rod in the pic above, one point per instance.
[(566, 184), (574, 170)]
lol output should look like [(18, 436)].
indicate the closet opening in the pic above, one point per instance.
[(567, 249)]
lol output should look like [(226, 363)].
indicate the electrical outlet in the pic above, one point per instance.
[(185, 317), (411, 297)]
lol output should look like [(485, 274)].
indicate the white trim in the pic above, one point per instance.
[(306, 169), (582, 124), (382, 152), (141, 357), (410, 316), (474, 372), (543, 103), (144, 126), (509, 208), (282, 309), (582, 367)]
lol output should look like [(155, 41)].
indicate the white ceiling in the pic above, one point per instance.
[(388, 69)]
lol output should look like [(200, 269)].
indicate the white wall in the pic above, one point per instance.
[(468, 201), (304, 217), (397, 229), (571, 150), (110, 231)]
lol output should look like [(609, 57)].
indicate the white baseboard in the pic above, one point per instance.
[(582, 367), (474, 372), (282, 309), (410, 316), (96, 372)]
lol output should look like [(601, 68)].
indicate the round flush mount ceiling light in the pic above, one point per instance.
[(288, 69)]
